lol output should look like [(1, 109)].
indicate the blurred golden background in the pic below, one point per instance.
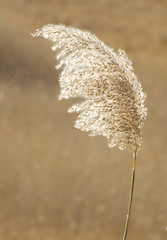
[(56, 182)]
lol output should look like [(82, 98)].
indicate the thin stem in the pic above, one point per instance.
[(131, 194)]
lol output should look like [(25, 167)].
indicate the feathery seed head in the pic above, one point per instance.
[(114, 99)]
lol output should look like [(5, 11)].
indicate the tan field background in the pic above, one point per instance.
[(56, 182)]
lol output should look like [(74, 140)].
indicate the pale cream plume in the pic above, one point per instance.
[(113, 103)]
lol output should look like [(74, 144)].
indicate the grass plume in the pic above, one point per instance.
[(113, 104)]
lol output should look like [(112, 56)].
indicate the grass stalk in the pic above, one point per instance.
[(131, 195)]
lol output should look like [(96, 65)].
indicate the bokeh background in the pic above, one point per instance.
[(55, 181)]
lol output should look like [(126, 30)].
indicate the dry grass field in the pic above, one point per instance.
[(55, 181)]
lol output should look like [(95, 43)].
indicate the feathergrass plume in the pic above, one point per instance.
[(113, 104)]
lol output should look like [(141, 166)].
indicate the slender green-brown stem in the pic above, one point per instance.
[(131, 194)]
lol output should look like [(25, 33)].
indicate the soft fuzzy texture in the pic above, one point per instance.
[(113, 103)]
